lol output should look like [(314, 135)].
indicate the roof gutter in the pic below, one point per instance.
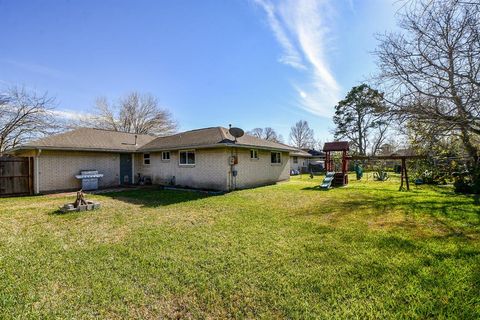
[(70, 149), (204, 146), (216, 145)]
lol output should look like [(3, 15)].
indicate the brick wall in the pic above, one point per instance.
[(209, 172), (257, 172), (302, 162), (212, 169), (57, 169)]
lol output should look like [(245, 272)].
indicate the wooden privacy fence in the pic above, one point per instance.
[(16, 176)]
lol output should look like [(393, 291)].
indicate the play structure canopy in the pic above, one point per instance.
[(336, 146)]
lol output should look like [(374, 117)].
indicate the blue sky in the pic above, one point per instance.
[(252, 63)]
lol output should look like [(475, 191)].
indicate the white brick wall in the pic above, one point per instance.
[(212, 169), (302, 162), (57, 169), (209, 172), (257, 172)]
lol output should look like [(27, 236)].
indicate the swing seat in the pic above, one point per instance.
[(381, 176)]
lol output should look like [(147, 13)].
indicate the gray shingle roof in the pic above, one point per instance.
[(91, 139), (210, 137), (300, 153), (105, 140)]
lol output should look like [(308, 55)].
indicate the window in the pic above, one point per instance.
[(295, 159), (276, 157), (187, 157), (166, 155), (253, 154), (146, 158)]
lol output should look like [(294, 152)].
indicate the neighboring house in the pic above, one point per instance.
[(316, 162), (299, 160), (207, 158)]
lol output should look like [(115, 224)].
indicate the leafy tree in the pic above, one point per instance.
[(301, 135), (360, 118), (444, 151)]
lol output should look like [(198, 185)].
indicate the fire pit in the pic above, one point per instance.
[(80, 204), (89, 179)]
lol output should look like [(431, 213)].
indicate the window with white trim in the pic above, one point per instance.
[(187, 157), (276, 157), (146, 158), (166, 155), (253, 154), (295, 159)]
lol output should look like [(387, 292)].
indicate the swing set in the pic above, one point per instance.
[(338, 175)]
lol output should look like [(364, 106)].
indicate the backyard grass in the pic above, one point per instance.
[(283, 251)]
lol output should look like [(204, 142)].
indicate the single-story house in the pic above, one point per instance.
[(316, 162), (209, 158), (299, 160)]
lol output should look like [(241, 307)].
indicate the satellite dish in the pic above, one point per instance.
[(236, 132)]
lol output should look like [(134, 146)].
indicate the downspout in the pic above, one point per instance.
[(233, 176), (37, 171), (133, 166), (133, 161), (231, 171)]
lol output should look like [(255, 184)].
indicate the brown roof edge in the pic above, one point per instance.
[(336, 146)]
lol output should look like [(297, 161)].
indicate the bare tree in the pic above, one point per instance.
[(431, 71), (317, 144), (134, 113), (256, 132), (301, 136), (267, 133), (24, 116)]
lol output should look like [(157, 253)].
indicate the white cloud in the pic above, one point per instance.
[(302, 93), (72, 115), (301, 28), (290, 55), (35, 68)]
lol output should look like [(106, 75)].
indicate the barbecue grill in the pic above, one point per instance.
[(89, 179)]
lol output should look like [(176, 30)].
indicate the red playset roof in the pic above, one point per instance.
[(336, 146)]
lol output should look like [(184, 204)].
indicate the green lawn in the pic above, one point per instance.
[(283, 251)]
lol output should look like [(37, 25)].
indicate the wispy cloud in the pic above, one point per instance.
[(34, 68), (301, 27), (290, 56), (72, 115)]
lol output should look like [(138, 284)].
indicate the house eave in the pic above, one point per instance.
[(156, 149), (109, 150), (211, 146)]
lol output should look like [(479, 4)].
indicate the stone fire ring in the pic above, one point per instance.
[(69, 207)]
